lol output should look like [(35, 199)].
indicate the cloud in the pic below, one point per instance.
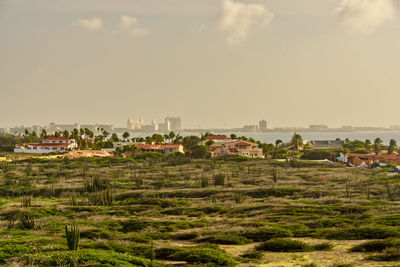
[(130, 24), (93, 24), (238, 20), (365, 16)]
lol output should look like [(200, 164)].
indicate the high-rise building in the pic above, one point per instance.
[(134, 125), (262, 126), (175, 123)]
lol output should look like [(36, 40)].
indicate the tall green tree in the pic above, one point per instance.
[(114, 137), (44, 133), (297, 141), (277, 144), (171, 135), (126, 135), (157, 139), (367, 145), (392, 146), (148, 140), (377, 145)]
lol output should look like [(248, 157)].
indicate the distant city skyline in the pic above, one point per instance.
[(183, 125)]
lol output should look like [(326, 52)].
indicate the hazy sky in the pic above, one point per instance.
[(215, 63)]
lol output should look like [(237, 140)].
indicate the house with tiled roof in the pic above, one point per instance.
[(364, 160), (325, 144), (48, 145), (237, 147)]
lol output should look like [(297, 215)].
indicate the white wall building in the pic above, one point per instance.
[(48, 145)]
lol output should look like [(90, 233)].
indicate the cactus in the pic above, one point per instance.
[(103, 198), (204, 181), (96, 184), (72, 234), (238, 197), (26, 201), (72, 199), (219, 179), (26, 220)]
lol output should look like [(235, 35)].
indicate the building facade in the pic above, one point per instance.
[(48, 145), (175, 123), (238, 147), (134, 125), (262, 126)]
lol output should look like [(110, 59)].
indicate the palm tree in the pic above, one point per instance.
[(148, 140), (277, 143), (367, 145), (392, 146), (126, 135), (44, 133), (157, 138), (377, 145), (166, 137), (171, 136), (297, 141), (81, 132)]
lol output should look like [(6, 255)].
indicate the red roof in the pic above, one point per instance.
[(243, 144), (55, 138), (217, 137), (233, 150), (48, 144)]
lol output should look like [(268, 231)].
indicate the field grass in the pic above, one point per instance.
[(166, 211)]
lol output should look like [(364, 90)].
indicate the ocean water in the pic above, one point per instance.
[(271, 137)]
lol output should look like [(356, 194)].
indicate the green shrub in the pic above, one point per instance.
[(284, 245), (81, 257), (225, 239), (132, 226), (389, 254), (323, 246), (185, 236), (366, 232), (263, 234), (252, 255), (376, 245), (212, 256)]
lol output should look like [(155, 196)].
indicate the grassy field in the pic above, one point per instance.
[(176, 211)]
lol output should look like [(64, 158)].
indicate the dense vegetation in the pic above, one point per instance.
[(155, 210)]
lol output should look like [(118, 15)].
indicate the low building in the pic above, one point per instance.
[(86, 154), (250, 128), (163, 148), (48, 145), (318, 128), (325, 144), (238, 147), (366, 160)]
